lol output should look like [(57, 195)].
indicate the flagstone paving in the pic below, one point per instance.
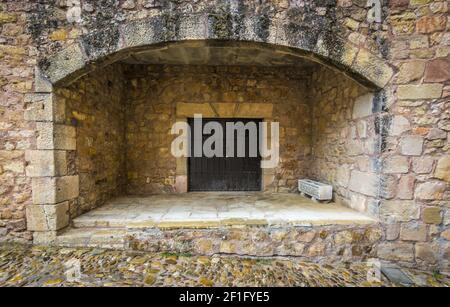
[(22, 265)]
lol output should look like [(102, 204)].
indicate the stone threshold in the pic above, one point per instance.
[(215, 210)]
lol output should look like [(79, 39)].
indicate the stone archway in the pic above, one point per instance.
[(325, 47), (53, 188)]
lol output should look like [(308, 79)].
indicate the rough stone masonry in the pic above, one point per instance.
[(376, 104)]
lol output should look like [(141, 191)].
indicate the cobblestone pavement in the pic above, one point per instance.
[(51, 266)]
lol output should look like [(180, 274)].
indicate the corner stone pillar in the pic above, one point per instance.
[(52, 186)]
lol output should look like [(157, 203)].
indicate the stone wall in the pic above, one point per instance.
[(17, 59), (411, 40), (339, 243), (416, 155), (94, 107), (155, 93), (345, 140)]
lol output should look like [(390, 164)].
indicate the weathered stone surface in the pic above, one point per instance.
[(69, 61), (410, 71), (415, 92), (443, 169), (430, 190), (373, 67), (437, 70), (432, 215), (411, 145), (396, 165), (400, 210), (54, 190), (47, 217), (46, 163), (423, 165), (55, 136), (121, 113), (436, 134), (396, 251), (392, 231), (363, 106), (399, 125), (446, 234), (405, 189), (413, 232), (428, 252), (192, 271), (430, 24), (364, 183), (41, 107)]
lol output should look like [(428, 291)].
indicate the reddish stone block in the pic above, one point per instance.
[(397, 4), (430, 24), (438, 70)]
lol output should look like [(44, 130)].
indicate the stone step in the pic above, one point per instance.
[(354, 242), (93, 237)]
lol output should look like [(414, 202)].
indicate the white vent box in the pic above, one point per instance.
[(315, 189)]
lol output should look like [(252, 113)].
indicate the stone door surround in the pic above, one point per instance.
[(221, 110)]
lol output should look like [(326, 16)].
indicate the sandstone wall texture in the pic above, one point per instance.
[(158, 96), (344, 144), (404, 57), (94, 107)]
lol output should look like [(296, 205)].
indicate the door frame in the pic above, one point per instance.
[(256, 111)]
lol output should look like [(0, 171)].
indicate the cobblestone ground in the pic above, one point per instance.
[(50, 266)]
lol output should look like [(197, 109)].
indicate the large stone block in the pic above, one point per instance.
[(411, 145), (416, 92), (364, 183), (428, 252), (443, 169), (405, 189), (69, 61), (399, 125), (41, 83), (363, 106), (423, 165), (438, 70), (45, 107), (410, 71), (431, 190), (399, 210), (413, 232), (53, 190), (55, 136), (374, 68), (40, 107), (46, 163), (396, 251), (47, 217), (396, 165), (432, 215), (430, 24)]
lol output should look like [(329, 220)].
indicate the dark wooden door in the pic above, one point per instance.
[(225, 173)]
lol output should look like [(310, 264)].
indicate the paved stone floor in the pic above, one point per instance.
[(22, 265), (218, 209)]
